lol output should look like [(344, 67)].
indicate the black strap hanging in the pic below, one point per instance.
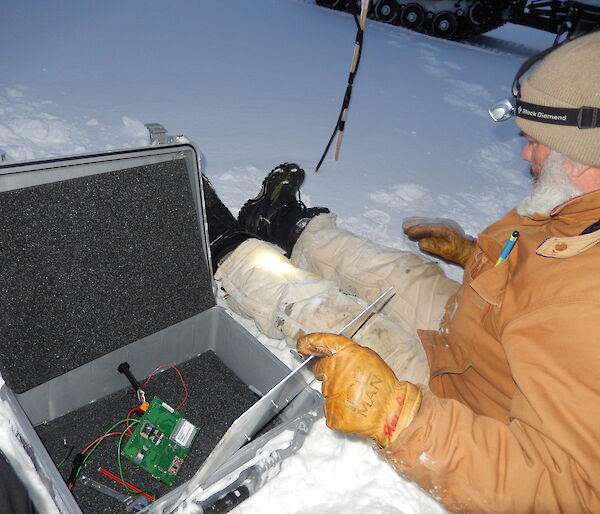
[(341, 121)]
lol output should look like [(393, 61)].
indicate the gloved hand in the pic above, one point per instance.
[(440, 237), (362, 394)]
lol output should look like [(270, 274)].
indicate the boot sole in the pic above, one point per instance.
[(293, 177)]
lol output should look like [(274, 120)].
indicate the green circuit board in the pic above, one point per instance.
[(161, 441)]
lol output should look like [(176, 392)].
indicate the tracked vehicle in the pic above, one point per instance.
[(461, 19)]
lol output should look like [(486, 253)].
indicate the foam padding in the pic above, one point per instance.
[(94, 263), (216, 398)]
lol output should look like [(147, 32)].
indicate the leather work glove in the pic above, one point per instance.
[(362, 394), (440, 237)]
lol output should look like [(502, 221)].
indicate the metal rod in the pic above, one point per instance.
[(357, 49), (339, 124)]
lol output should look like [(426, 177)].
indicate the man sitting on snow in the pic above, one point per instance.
[(508, 419)]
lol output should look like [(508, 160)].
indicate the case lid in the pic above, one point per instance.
[(97, 251)]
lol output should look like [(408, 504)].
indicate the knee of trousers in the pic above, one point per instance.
[(332, 311), (365, 269), (259, 282)]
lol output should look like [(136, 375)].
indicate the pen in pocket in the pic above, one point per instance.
[(508, 247)]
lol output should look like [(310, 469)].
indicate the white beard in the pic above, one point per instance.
[(551, 188)]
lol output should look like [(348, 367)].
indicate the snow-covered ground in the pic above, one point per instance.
[(259, 83)]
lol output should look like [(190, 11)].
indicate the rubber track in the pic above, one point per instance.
[(491, 18)]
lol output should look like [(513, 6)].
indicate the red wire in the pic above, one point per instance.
[(100, 438), (180, 378), (127, 429), (117, 479)]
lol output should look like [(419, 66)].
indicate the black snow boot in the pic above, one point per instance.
[(225, 234), (277, 214)]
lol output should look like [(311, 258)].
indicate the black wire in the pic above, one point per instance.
[(77, 465), (353, 11), (65, 459), (339, 124)]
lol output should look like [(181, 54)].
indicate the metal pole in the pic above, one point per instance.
[(357, 48), (341, 121)]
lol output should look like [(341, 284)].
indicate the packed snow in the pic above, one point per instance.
[(258, 83)]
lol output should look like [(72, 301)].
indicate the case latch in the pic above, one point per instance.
[(158, 135)]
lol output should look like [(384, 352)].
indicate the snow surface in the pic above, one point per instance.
[(259, 83)]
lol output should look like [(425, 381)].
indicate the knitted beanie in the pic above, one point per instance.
[(567, 77)]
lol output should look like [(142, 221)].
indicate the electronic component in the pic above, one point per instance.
[(175, 465), (184, 433), (161, 441), (146, 429)]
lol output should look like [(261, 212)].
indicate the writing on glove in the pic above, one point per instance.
[(362, 393)]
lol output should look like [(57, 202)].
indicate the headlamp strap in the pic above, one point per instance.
[(516, 87), (583, 118)]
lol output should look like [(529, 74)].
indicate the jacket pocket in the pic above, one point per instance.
[(479, 262), (491, 284)]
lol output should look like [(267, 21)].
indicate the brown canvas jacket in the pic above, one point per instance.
[(512, 421)]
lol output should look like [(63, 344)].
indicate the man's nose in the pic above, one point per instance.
[(526, 153)]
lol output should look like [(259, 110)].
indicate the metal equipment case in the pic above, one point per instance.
[(104, 260)]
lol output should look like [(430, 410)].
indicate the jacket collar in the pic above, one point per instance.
[(577, 212), (568, 220), (579, 204)]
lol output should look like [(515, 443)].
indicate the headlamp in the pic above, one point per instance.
[(583, 117), (503, 110)]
